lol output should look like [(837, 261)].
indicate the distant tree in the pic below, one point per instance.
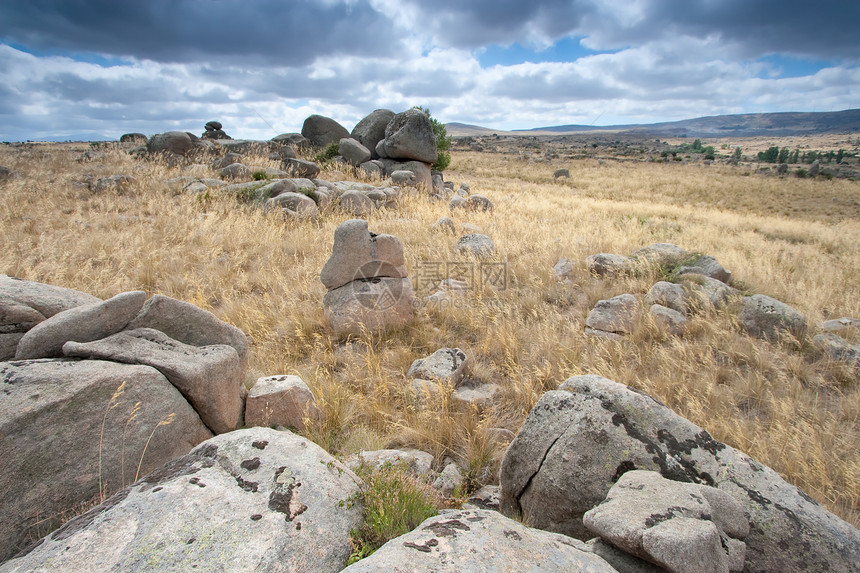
[(794, 156), (737, 153), (783, 155), (443, 141), (710, 152), (839, 155), (697, 145), (769, 156)]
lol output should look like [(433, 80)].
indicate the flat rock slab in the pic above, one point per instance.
[(483, 541), (577, 442), (254, 500), (359, 254), (190, 324), (208, 376), (42, 300), (81, 324), (68, 427)]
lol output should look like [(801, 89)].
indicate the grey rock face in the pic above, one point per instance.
[(836, 325), (561, 173), (671, 523), (660, 254), (671, 319), (190, 324), (421, 171), (608, 264), (562, 270), (705, 293), (445, 365), (82, 324), (616, 315), (359, 254), (449, 481), (236, 171), (445, 225), (280, 400), (303, 205), (301, 168), (416, 461), (178, 142), (208, 376), (838, 348), (409, 135), (356, 203), (668, 294), (708, 266), (251, 500), (353, 151), (371, 130), (766, 317), (478, 202), (480, 540), (70, 428), (577, 442), (24, 304), (375, 304), (477, 245), (321, 130)]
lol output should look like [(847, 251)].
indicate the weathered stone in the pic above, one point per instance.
[(135, 138), (457, 202), (190, 324), (409, 135), (480, 396), (670, 523), (298, 202), (668, 294), (670, 319), (117, 183), (660, 254), (767, 317), (608, 264), (477, 245), (616, 315), (578, 441), (457, 541), (82, 324), (621, 561), (420, 170), (371, 130), (445, 365), (450, 481), (353, 151), (321, 130), (301, 168), (280, 401), (359, 254), (178, 142), (708, 266), (375, 304), (356, 203), (842, 325), (837, 348), (276, 188), (705, 293), (485, 498), (561, 173), (418, 462), (479, 202), (445, 225), (72, 430), (236, 171), (254, 500), (208, 376)]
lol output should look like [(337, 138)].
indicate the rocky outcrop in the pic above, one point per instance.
[(320, 130), (71, 431), (366, 281), (409, 136), (480, 540), (253, 500), (371, 130), (608, 264), (175, 142), (578, 441)]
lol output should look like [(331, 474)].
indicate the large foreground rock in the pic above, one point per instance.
[(409, 135), (253, 500), (580, 440), (24, 304), (483, 541), (70, 429), (321, 130), (208, 376)]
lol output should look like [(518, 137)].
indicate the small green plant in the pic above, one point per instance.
[(395, 502), (260, 176), (328, 153)]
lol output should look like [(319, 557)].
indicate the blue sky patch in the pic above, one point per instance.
[(567, 49), (786, 66)]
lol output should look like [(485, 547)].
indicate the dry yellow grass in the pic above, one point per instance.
[(784, 404)]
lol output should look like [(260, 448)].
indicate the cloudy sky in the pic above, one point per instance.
[(95, 69)]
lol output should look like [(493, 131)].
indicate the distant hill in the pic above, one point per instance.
[(744, 125)]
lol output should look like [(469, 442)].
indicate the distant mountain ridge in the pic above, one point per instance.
[(739, 125)]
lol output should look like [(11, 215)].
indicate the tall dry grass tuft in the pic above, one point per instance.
[(783, 403)]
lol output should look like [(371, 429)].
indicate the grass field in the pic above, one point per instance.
[(797, 240)]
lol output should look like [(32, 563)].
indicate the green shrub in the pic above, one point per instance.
[(260, 176), (443, 141), (328, 153), (395, 502)]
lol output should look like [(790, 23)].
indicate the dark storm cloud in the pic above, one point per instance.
[(270, 31)]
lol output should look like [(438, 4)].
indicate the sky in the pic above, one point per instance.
[(96, 69)]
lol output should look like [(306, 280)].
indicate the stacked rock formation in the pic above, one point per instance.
[(366, 280), (214, 130)]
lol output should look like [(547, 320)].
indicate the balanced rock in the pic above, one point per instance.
[(208, 376), (71, 431), (254, 500), (358, 254), (409, 135), (456, 541), (578, 441), (280, 401)]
